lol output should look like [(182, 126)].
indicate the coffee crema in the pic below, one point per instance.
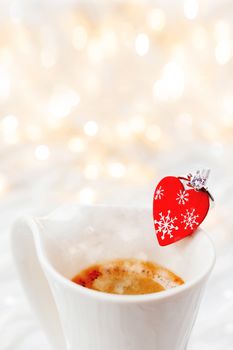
[(127, 276)]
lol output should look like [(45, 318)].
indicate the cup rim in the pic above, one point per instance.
[(116, 298)]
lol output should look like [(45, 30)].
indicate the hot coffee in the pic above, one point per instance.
[(127, 276)]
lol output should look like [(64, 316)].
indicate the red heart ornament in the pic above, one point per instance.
[(177, 211)]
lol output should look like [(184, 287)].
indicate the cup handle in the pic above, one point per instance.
[(34, 281)]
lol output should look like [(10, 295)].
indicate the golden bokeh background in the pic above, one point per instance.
[(111, 95)]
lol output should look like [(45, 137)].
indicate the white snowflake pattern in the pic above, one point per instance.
[(159, 193), (165, 225), (190, 219), (182, 197)]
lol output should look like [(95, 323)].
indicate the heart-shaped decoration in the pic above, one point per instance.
[(177, 211)]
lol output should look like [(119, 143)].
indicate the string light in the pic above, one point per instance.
[(227, 120), (191, 8), (91, 128), (79, 37), (76, 145), (157, 19), (108, 42), (137, 124), (171, 85), (10, 129), (228, 105), (142, 44), (61, 103), (223, 51), (42, 152), (221, 30), (9, 123), (117, 169), (91, 171), (95, 52), (123, 130), (102, 47)]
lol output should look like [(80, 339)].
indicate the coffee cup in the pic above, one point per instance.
[(49, 251)]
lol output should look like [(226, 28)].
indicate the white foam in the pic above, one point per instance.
[(164, 278)]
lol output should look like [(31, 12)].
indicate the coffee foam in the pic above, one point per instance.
[(166, 278), (128, 276)]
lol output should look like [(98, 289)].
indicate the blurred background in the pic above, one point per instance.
[(98, 101)]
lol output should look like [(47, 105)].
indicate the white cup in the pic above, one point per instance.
[(49, 251)]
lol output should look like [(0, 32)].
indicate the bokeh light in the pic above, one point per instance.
[(42, 152)]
